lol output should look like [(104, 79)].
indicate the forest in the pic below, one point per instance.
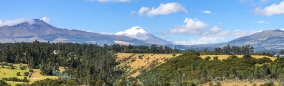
[(95, 65)]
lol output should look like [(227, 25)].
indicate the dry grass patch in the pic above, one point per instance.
[(239, 83), (221, 57), (138, 62)]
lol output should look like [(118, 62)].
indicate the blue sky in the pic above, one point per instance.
[(180, 21)]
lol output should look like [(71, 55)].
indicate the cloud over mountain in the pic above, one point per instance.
[(14, 22), (139, 33)]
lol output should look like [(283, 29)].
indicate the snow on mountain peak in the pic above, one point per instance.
[(132, 31)]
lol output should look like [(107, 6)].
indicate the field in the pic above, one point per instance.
[(220, 57), (6, 72), (240, 83), (137, 62)]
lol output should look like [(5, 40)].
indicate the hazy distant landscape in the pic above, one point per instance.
[(142, 43)]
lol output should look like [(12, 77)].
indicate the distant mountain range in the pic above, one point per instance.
[(265, 41), (268, 40), (41, 31)]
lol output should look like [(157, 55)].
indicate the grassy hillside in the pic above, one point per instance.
[(135, 62), (190, 68), (7, 72)]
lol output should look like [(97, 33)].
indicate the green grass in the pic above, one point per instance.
[(7, 72)]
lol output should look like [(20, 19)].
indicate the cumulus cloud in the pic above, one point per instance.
[(191, 27), (14, 22), (104, 1), (202, 40), (45, 19), (214, 37), (163, 9), (206, 12), (216, 29), (203, 33), (274, 9), (263, 22)]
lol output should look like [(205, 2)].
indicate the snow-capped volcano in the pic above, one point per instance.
[(132, 32), (139, 33)]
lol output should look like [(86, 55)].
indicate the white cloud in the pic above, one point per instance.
[(14, 22), (114, 0), (215, 37), (45, 19), (274, 9), (263, 22), (202, 40), (191, 27), (133, 31), (163, 9), (132, 12), (202, 33), (206, 12), (106, 33), (216, 29), (143, 10)]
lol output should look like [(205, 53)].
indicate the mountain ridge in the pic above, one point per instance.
[(41, 31)]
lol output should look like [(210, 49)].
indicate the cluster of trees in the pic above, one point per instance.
[(143, 49), (16, 79), (229, 50), (85, 63), (88, 63)]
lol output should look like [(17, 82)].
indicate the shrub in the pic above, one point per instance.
[(3, 83), (173, 54), (26, 73), (23, 67), (208, 58), (215, 58), (12, 66), (268, 84), (18, 73), (16, 79), (140, 56)]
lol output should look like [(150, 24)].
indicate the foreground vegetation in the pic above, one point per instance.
[(190, 68)]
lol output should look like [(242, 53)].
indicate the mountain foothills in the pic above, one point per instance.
[(43, 32)]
